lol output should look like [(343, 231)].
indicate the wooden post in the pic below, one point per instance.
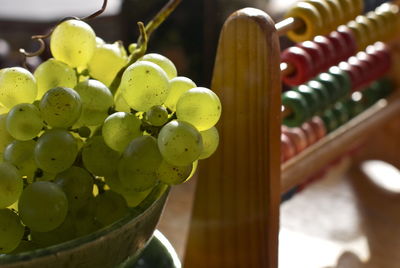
[(235, 219)]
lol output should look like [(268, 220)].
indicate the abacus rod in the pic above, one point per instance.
[(288, 24)]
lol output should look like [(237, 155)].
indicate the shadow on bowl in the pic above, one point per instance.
[(105, 248)]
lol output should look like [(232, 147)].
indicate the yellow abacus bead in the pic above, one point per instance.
[(311, 18), (337, 12), (358, 7), (359, 33), (327, 17), (388, 15), (379, 24), (371, 31), (348, 9)]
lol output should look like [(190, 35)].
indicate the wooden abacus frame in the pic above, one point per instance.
[(235, 219)]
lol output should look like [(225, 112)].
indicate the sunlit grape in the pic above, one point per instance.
[(180, 143), (179, 85), (173, 175), (106, 62), (73, 42), (143, 85), (5, 137), (17, 85), (96, 100), (43, 206), (24, 121), (55, 150), (98, 158), (138, 164), (166, 64), (119, 129), (21, 155), (157, 115), (77, 184), (53, 73), (200, 107), (210, 139), (60, 107)]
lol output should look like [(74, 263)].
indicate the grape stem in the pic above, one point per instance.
[(40, 38), (145, 33)]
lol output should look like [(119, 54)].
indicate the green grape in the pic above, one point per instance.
[(157, 115), (179, 85), (65, 232), (17, 85), (120, 103), (110, 207), (143, 85), (11, 231), (10, 184), (138, 164), (53, 73), (55, 150), (98, 158), (41, 175), (25, 246), (194, 169), (21, 155), (99, 41), (173, 175), (107, 61), (24, 121), (43, 206), (60, 107), (166, 64), (180, 143), (96, 100), (77, 185), (5, 137), (132, 198), (200, 107), (85, 222), (3, 110), (73, 42), (210, 139), (119, 129)]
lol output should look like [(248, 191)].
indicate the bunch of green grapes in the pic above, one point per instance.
[(75, 156)]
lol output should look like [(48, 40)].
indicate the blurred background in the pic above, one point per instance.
[(188, 37)]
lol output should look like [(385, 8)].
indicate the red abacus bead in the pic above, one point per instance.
[(381, 51), (339, 45), (316, 53), (302, 63), (318, 126), (373, 62), (353, 71), (348, 37), (287, 148), (298, 137), (363, 68), (310, 133), (327, 48)]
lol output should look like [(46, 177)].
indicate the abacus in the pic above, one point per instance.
[(337, 70)]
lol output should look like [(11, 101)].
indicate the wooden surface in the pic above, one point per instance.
[(236, 211)]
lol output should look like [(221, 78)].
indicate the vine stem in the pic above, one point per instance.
[(40, 38), (143, 39)]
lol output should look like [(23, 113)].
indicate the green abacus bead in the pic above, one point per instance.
[(385, 86), (322, 93), (343, 78), (311, 97), (355, 107), (330, 121), (332, 85), (298, 105), (341, 113)]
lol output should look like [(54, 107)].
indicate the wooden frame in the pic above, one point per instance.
[(235, 220)]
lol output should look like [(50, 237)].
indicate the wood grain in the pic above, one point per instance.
[(236, 212)]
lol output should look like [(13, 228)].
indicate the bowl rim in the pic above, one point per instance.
[(157, 197)]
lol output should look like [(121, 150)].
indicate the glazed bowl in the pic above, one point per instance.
[(105, 248)]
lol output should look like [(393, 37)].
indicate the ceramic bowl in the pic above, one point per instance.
[(105, 248)]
